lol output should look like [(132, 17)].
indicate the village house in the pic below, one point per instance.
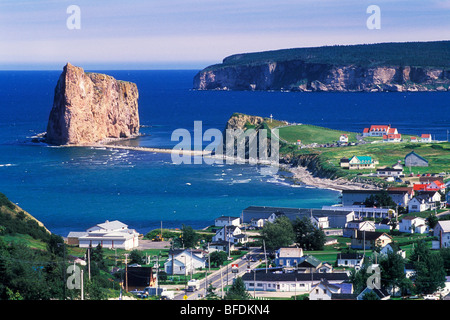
[(288, 257), (359, 225), (412, 224), (350, 260), (412, 159), (361, 162), (184, 262), (295, 282), (221, 246), (389, 172), (385, 224), (442, 231), (426, 137), (139, 278), (357, 197), (369, 239), (110, 235), (390, 248), (425, 200), (392, 137), (227, 221), (343, 138), (230, 234), (327, 291), (414, 139), (336, 218), (379, 131)]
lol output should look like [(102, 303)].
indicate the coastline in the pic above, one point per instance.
[(301, 174)]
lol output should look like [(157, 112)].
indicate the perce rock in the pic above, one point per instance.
[(90, 108)]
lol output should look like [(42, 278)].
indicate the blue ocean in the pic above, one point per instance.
[(72, 189)]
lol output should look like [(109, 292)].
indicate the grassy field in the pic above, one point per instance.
[(313, 134), (387, 154)]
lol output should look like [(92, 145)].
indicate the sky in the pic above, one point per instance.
[(192, 34)]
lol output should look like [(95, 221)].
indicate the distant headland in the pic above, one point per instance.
[(393, 67)]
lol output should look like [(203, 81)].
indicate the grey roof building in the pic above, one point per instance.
[(337, 219)]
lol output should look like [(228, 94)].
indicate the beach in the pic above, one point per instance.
[(301, 174)]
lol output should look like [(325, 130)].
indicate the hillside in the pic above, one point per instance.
[(15, 221), (408, 66), (320, 153)]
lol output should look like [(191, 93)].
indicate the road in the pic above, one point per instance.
[(224, 276)]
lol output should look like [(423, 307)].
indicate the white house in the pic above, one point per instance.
[(359, 225), (411, 224), (295, 282), (392, 137), (184, 262), (230, 234), (320, 222), (323, 291), (426, 137), (110, 234), (423, 202), (442, 231), (343, 138), (351, 260), (288, 257), (227, 221), (379, 131), (388, 248), (389, 172), (257, 223)]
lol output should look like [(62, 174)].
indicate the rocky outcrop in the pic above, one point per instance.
[(90, 108), (241, 121), (297, 75)]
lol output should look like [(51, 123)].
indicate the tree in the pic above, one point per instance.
[(211, 294), (136, 256), (430, 271), (382, 199), (432, 221), (392, 271), (370, 295), (237, 291), (189, 237), (218, 257), (307, 236), (280, 233), (359, 278)]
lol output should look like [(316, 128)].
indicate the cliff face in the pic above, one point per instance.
[(91, 107), (297, 75)]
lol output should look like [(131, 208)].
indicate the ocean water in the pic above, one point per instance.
[(71, 189)]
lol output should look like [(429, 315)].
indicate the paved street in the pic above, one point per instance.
[(223, 277)]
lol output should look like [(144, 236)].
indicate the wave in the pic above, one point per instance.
[(8, 165)]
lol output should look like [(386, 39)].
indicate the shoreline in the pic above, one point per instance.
[(302, 175)]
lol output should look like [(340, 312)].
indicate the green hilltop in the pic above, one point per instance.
[(418, 54)]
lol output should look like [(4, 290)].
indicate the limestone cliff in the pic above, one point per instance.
[(359, 68), (91, 107)]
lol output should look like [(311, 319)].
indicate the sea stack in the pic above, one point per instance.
[(90, 108)]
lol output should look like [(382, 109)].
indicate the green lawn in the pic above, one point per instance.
[(313, 134)]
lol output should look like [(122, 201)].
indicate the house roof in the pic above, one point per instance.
[(369, 235), (309, 261), (379, 127), (290, 252), (445, 225), (363, 159), (350, 256), (226, 218), (112, 225), (425, 135), (412, 153)]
